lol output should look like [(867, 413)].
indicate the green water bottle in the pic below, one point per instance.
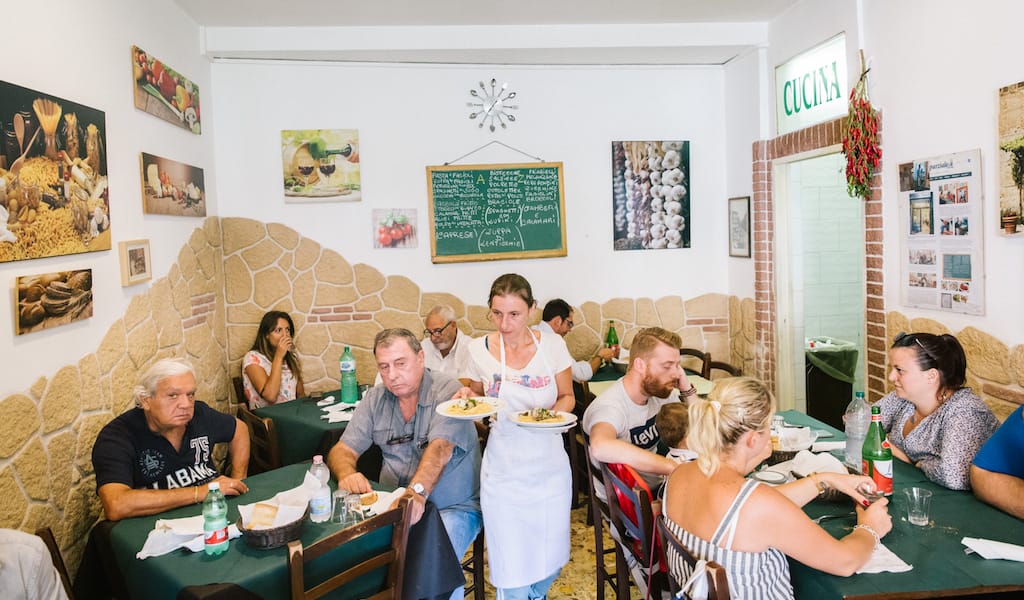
[(876, 454), (349, 386)]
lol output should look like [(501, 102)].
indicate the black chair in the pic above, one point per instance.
[(393, 557), (629, 503), (600, 515), (717, 580), (703, 367), (717, 365), (264, 452), (474, 565), (236, 383), (58, 561)]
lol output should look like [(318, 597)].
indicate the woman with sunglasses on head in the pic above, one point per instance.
[(932, 420), (270, 370)]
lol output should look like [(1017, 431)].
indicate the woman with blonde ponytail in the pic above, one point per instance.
[(749, 528)]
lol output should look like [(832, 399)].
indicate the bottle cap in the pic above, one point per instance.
[(317, 459), (213, 485)]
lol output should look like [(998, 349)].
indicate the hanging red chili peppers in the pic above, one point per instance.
[(860, 140)]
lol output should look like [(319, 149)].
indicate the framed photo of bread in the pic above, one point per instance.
[(739, 227), (52, 299), (136, 264)]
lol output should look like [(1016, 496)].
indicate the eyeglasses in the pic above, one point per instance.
[(568, 323), (904, 336), (432, 332), (402, 439)]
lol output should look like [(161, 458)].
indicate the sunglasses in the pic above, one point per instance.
[(912, 338), (405, 439), (432, 332)]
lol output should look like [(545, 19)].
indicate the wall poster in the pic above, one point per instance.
[(1011, 159), (941, 235), (651, 195)]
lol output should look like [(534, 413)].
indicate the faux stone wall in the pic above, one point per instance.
[(995, 371)]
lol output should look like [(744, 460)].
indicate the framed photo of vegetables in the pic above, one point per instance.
[(321, 165), (395, 228), (164, 93)]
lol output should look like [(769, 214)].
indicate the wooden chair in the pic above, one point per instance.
[(264, 452), (393, 556), (704, 367), (58, 561), (474, 565), (717, 581), (629, 502), (600, 516), (717, 365), (236, 383)]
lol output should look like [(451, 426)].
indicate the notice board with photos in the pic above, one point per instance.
[(496, 211)]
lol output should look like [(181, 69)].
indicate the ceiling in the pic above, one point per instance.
[(513, 43)]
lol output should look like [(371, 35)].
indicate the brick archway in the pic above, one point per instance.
[(766, 152)]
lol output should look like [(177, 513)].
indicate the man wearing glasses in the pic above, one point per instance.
[(445, 347), (431, 455), (557, 318)]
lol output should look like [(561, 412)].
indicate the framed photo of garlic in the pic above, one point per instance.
[(54, 198), (136, 265), (52, 299), (739, 227), (651, 195)]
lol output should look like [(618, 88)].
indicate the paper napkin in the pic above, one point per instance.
[(326, 401), (992, 549), (882, 560), (170, 534), (806, 462)]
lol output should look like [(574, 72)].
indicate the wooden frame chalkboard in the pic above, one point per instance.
[(496, 212)]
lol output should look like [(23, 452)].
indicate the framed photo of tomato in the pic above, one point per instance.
[(395, 228)]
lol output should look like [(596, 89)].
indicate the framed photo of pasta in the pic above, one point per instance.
[(739, 227), (136, 265)]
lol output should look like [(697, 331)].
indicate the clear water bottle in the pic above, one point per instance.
[(349, 385), (857, 419), (319, 470), (215, 520)]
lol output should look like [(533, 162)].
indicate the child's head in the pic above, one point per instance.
[(672, 421)]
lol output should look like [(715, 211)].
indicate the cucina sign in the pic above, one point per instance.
[(812, 87)]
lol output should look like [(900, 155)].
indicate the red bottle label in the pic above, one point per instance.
[(216, 536), (880, 471)]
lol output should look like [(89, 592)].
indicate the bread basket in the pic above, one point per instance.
[(265, 539)]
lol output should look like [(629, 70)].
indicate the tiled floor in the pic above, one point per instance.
[(577, 580)]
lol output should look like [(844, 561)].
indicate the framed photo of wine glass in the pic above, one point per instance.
[(739, 227), (136, 263)]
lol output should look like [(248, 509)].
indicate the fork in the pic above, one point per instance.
[(827, 517)]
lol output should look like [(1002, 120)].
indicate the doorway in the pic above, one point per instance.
[(820, 278)]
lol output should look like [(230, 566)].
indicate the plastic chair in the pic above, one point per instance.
[(58, 561), (629, 502), (704, 358), (264, 451), (675, 552), (600, 516), (393, 557)]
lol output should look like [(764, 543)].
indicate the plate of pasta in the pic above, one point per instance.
[(471, 409), (543, 418)]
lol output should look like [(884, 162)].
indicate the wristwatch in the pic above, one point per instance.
[(419, 489)]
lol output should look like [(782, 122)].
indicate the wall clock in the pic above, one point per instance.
[(491, 106)]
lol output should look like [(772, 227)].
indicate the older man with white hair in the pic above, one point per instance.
[(445, 347), (159, 455)]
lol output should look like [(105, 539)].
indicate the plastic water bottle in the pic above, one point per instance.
[(319, 470), (857, 419), (349, 385), (215, 520), (320, 503)]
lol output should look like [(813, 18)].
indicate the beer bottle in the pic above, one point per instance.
[(611, 340), (876, 454)]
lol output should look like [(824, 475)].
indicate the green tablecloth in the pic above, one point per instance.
[(300, 430), (264, 572), (934, 551)]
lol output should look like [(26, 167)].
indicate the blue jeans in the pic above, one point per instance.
[(534, 591), (462, 527)]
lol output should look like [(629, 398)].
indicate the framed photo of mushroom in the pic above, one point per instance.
[(136, 265), (739, 227), (54, 198), (170, 187), (651, 195), (52, 299)]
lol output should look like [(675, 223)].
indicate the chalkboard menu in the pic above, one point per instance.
[(494, 212)]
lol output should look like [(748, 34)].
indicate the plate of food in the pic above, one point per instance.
[(542, 418), (472, 408)]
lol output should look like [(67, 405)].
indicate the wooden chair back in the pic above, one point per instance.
[(393, 557), (264, 451), (58, 561), (629, 502), (716, 365), (600, 516), (240, 398), (676, 554), (703, 365)]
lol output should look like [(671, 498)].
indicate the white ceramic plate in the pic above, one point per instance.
[(567, 420), (488, 407), (769, 476)]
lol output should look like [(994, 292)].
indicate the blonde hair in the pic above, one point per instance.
[(672, 421), (735, 406)]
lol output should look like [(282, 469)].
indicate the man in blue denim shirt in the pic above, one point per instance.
[(431, 455)]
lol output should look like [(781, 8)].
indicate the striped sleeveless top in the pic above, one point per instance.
[(752, 575)]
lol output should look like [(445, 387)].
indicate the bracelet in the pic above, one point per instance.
[(873, 533), (195, 494), (821, 485), (688, 393)]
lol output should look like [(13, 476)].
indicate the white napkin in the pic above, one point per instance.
[(992, 549), (384, 500), (796, 438), (171, 534), (327, 400), (882, 560), (827, 446), (337, 417), (806, 462)]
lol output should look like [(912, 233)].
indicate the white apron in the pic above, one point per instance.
[(525, 488)]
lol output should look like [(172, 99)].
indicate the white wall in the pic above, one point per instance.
[(413, 116), (937, 67), (82, 51)]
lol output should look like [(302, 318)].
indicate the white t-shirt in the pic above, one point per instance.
[(487, 370), (581, 369), (456, 363)]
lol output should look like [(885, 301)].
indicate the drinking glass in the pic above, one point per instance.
[(327, 167), (355, 508), (305, 168), (918, 505), (340, 512)]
